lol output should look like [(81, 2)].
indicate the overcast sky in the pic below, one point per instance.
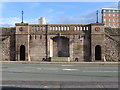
[(54, 12)]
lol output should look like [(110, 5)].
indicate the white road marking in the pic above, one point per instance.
[(39, 68), (69, 69), (47, 68), (66, 65), (46, 87), (51, 68)]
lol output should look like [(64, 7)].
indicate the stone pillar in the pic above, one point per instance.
[(97, 38), (22, 37), (51, 47), (71, 48)]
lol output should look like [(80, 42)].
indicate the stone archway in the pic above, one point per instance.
[(22, 52), (60, 46), (98, 52)]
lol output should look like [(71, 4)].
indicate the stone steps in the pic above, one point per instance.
[(60, 59)]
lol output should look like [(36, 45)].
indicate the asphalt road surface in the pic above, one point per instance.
[(59, 75)]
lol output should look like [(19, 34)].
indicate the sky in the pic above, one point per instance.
[(54, 12)]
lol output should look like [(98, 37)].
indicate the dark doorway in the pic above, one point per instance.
[(22, 52), (98, 52)]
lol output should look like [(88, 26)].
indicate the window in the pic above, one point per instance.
[(109, 20), (104, 20), (113, 20), (113, 15), (104, 10), (104, 14), (111, 24), (109, 15)]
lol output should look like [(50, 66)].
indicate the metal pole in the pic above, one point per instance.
[(97, 16), (46, 38), (22, 16)]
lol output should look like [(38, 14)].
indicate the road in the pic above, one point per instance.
[(60, 75)]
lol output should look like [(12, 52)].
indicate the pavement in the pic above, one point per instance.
[(60, 75), (38, 62)]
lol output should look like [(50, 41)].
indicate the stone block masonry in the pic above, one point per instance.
[(33, 42)]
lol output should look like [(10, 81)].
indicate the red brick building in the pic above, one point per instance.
[(111, 17)]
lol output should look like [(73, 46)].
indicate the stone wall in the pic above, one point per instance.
[(8, 43), (6, 48), (115, 42), (37, 47), (81, 42), (111, 49)]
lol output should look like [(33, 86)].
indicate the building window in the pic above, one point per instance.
[(104, 10), (113, 20), (104, 20), (109, 20), (111, 24), (113, 15), (109, 15), (104, 14)]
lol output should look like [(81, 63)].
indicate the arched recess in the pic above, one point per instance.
[(60, 46), (98, 52), (22, 52)]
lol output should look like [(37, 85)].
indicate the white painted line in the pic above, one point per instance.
[(50, 68), (66, 65), (69, 69), (39, 68), (46, 87)]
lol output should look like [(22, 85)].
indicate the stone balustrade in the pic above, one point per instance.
[(60, 27)]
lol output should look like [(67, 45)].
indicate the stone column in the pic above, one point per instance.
[(71, 49)]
